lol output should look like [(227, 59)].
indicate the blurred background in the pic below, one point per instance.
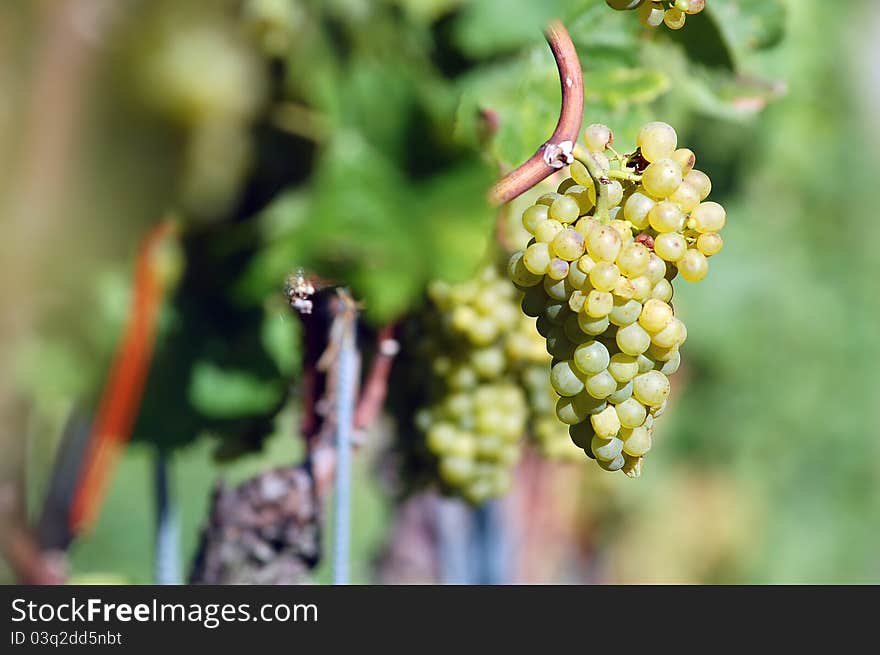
[(166, 165)]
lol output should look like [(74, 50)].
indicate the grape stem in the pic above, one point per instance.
[(600, 179), (623, 175), (556, 152)]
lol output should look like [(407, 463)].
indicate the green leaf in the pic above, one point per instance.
[(523, 94), (621, 87), (227, 393), (490, 27), (747, 25)]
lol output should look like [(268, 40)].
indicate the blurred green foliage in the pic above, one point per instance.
[(349, 138)]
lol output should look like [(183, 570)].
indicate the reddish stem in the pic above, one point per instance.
[(571, 80), (375, 387), (121, 397)]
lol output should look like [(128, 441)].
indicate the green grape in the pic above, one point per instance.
[(623, 367), (488, 362), (559, 346), (606, 449), (631, 413), (651, 388), (576, 277), (483, 331), (624, 289), (547, 199), (597, 136), (592, 326), (586, 264), (625, 312), (582, 434), (572, 330), (536, 258), (634, 260), (601, 385), (456, 470), (670, 246), (568, 244), (598, 304), (463, 446), (547, 230), (606, 423), (641, 288), (556, 289), (576, 301), (685, 158), (672, 336), (564, 209), (565, 379), (699, 182), (666, 217), (710, 243), (660, 354), (656, 270), (707, 217), (441, 436), (674, 19), (580, 175), (585, 197), (693, 266), (570, 412), (558, 269), (662, 290), (604, 244), (623, 391), (591, 357), (614, 193), (565, 185), (518, 272), (636, 441), (686, 197), (636, 209), (633, 339), (614, 465), (655, 316), (661, 178), (645, 363), (657, 140), (604, 276), (533, 216), (671, 366), (690, 6)]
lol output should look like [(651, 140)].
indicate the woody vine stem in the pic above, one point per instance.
[(557, 151)]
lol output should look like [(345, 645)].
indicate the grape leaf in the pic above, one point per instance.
[(218, 392), (747, 25), (491, 27)]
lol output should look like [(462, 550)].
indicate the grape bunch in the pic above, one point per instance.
[(598, 275), (673, 13), (486, 387)]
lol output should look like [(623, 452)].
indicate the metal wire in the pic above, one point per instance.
[(347, 384), (167, 560)]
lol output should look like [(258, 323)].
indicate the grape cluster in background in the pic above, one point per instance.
[(479, 366), (672, 13), (598, 275)]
